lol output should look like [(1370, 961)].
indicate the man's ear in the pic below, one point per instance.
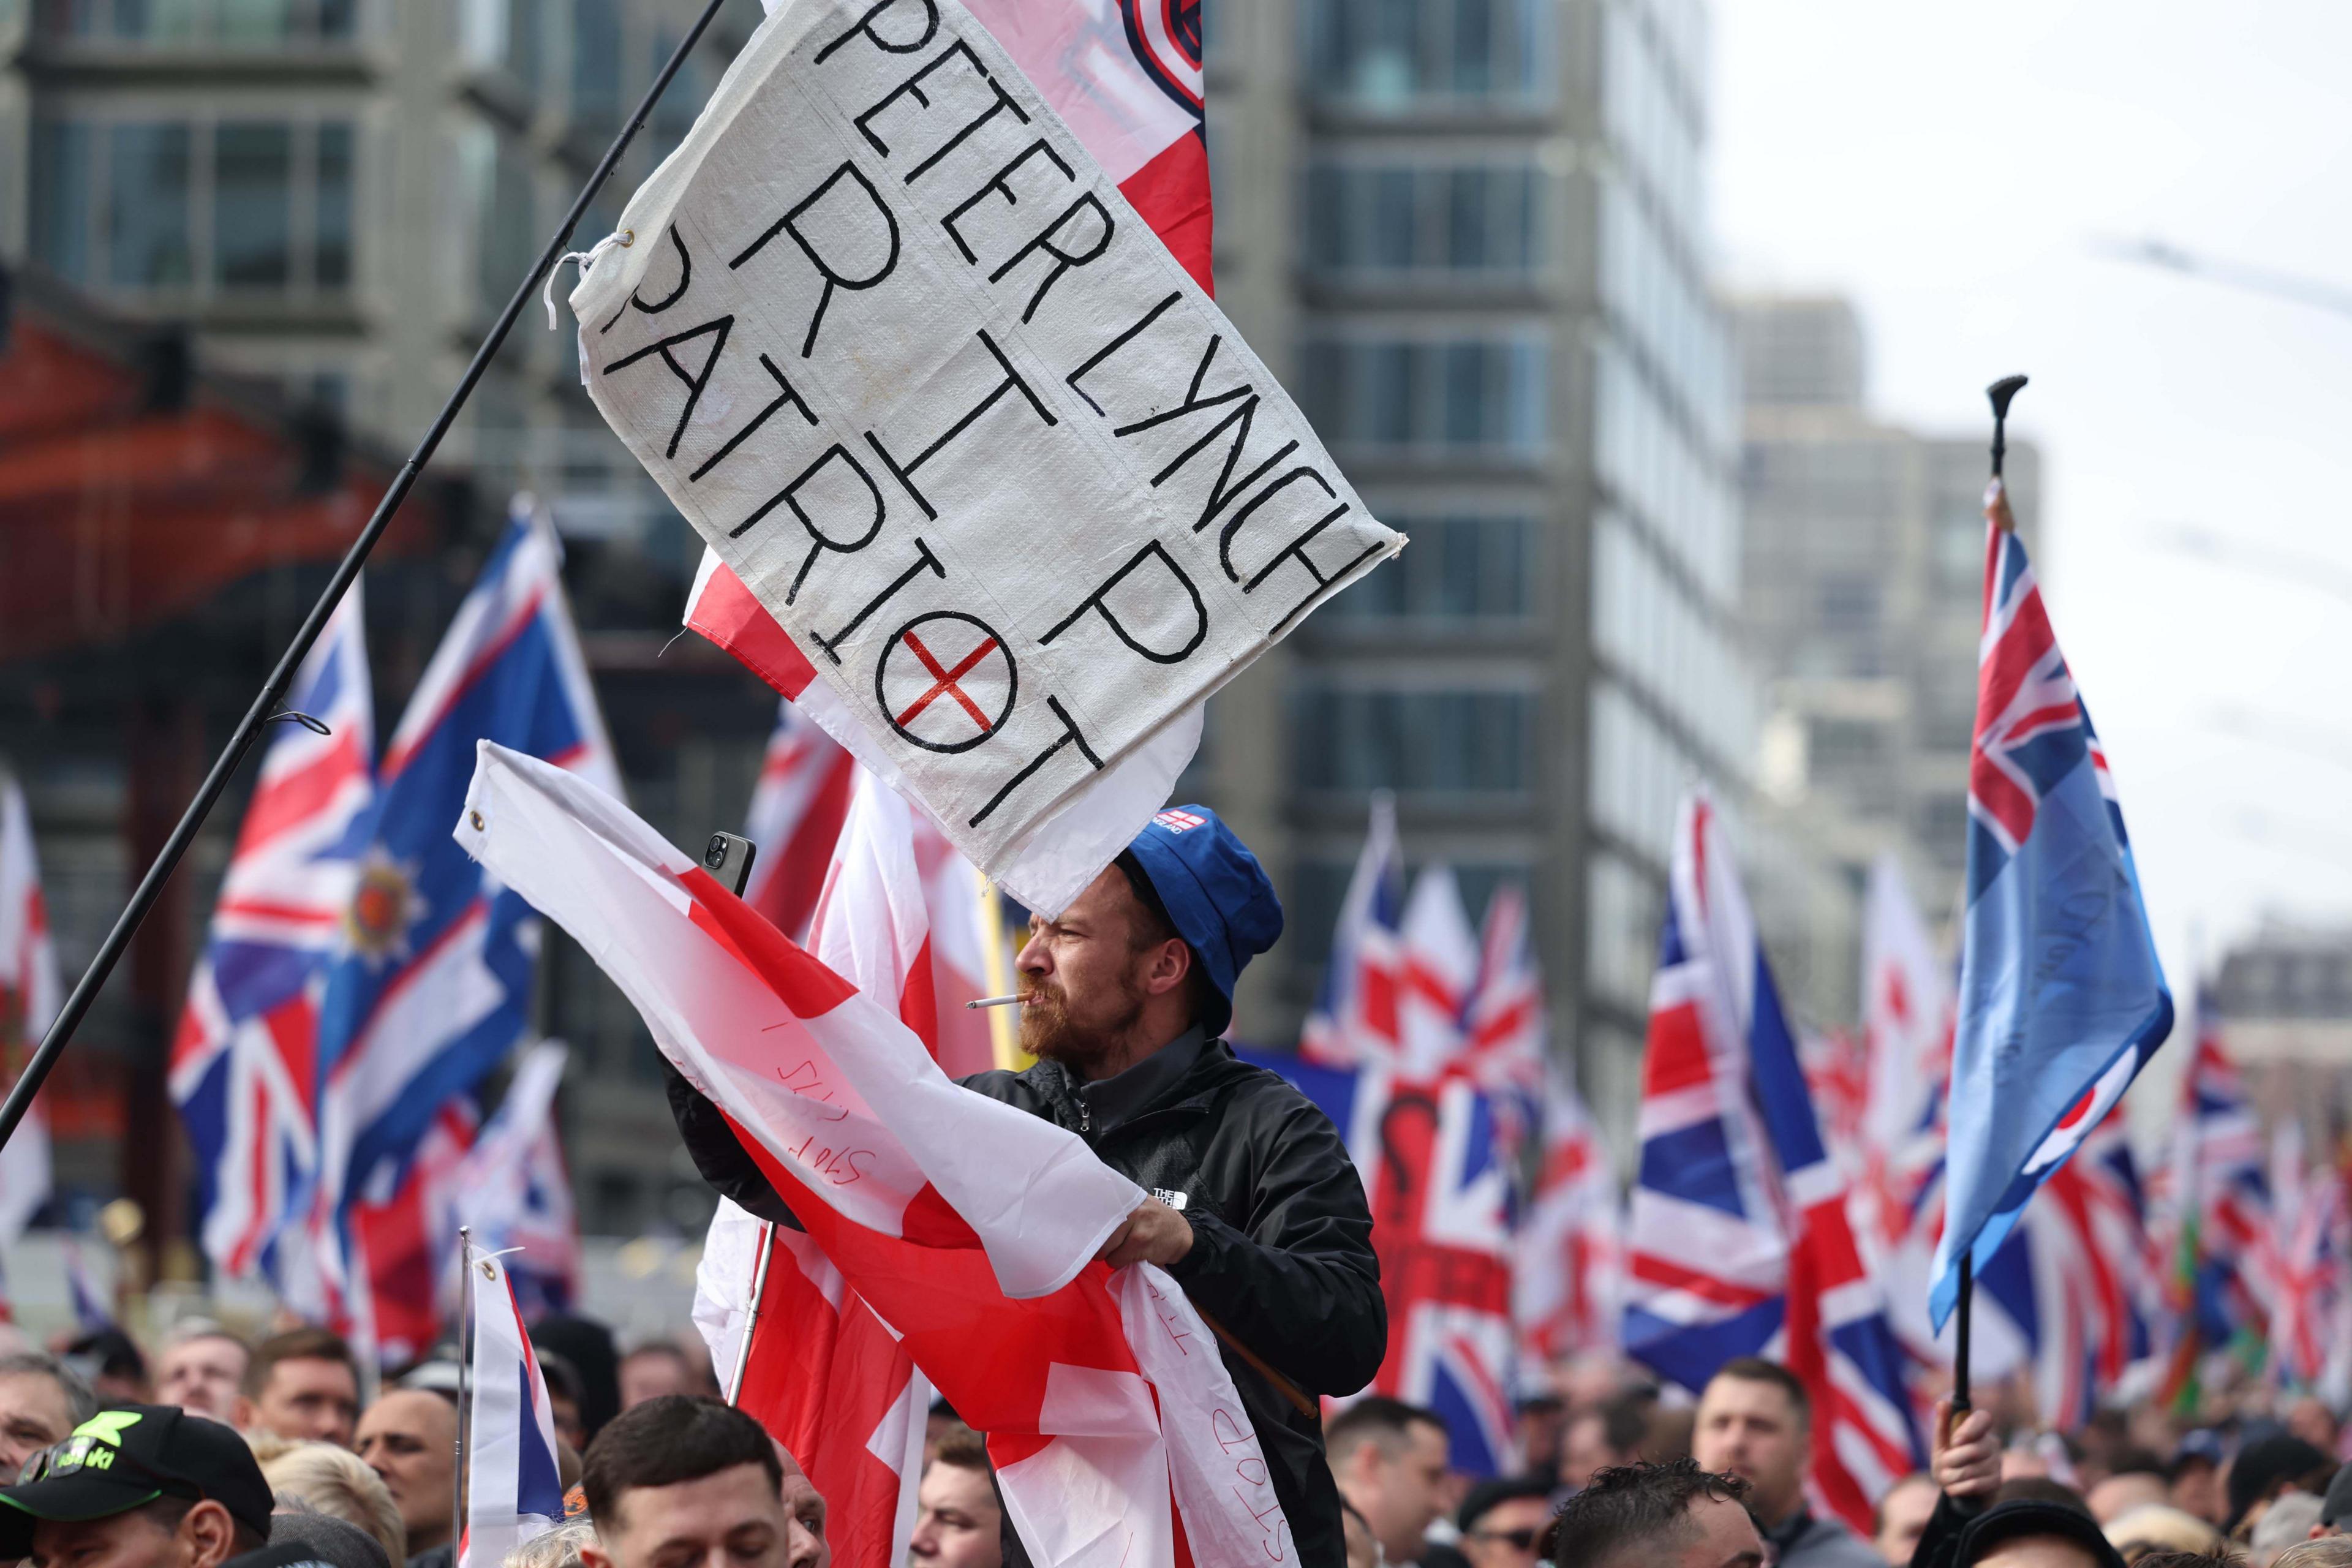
[(242, 1413), (593, 1554), (207, 1535), (1170, 962)]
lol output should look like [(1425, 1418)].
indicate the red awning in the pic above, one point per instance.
[(114, 516)]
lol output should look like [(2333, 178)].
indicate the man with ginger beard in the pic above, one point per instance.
[(1256, 1207)]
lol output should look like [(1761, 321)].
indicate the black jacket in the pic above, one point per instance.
[(1282, 1254)]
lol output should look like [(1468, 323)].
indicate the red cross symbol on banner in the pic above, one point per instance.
[(940, 676)]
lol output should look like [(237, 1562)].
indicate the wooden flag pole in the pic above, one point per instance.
[(2000, 392), (265, 710)]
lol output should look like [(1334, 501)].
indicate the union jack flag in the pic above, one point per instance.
[(1741, 1243), (2309, 1323), (1355, 1018), (432, 990), (388, 1268), (2074, 1283), (1907, 1042), (1438, 967), (1837, 1075), (513, 1191), (2061, 998), (1566, 1292), (1440, 1196), (2216, 1204), (1505, 1021), (244, 1065)]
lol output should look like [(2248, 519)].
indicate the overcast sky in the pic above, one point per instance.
[(1952, 165)]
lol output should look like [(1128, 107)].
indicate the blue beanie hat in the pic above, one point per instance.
[(1216, 895)]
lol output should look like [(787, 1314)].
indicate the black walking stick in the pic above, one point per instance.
[(273, 690), (2001, 391)]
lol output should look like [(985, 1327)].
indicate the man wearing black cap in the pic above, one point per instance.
[(1256, 1207), (2269, 1466), (2034, 1534), (139, 1486)]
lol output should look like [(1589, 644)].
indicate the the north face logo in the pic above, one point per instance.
[(1179, 821)]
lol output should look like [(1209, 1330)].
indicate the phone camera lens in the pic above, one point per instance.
[(714, 854)]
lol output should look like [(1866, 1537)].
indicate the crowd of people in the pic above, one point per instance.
[(1618, 1468), (273, 1455), (214, 1448)]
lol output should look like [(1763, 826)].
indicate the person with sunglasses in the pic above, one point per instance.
[(139, 1486), (1502, 1521)]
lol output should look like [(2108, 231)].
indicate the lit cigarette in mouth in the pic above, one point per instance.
[(994, 1002)]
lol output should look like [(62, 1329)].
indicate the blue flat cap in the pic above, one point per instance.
[(1216, 895)]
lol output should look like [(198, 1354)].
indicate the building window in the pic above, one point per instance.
[(1311, 912), (1943, 827), (596, 64), (1960, 549), (1848, 606), (1841, 746), (1668, 642), (506, 35), (1373, 220), (1663, 472), (1651, 286), (1443, 395), (500, 179), (194, 207), (147, 171), (207, 24), (64, 183), (331, 213), (1443, 742), (1622, 911), (1639, 772), (675, 112), (1318, 887), (1388, 55), (253, 204), (1459, 570)]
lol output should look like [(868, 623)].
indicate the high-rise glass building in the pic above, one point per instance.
[(1474, 234)]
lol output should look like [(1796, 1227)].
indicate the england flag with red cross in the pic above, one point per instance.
[(797, 808), (969, 1226)]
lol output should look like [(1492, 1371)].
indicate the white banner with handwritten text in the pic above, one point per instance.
[(904, 356)]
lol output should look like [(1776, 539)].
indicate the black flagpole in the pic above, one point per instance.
[(2001, 391), (273, 690)]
